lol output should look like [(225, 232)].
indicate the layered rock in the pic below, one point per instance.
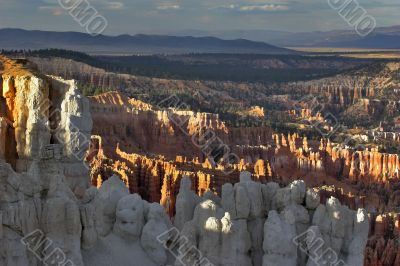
[(41, 110), (158, 180), (158, 131), (46, 134), (292, 158), (146, 129)]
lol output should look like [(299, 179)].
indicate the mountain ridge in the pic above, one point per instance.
[(140, 43), (332, 38)]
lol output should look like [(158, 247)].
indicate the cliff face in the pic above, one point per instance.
[(347, 89), (157, 180), (283, 163), (38, 111), (21, 95), (366, 166), (44, 134), (151, 130)]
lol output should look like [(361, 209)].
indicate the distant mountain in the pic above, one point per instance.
[(138, 44), (374, 41), (380, 38)]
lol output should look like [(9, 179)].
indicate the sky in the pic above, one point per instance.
[(166, 16)]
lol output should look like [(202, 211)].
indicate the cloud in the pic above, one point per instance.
[(231, 6), (255, 7), (270, 7), (55, 11), (115, 5), (100, 4), (141, 16), (168, 6)]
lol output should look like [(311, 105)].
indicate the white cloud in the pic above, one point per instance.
[(115, 5), (100, 4), (256, 6), (55, 11), (270, 7), (231, 6), (168, 6)]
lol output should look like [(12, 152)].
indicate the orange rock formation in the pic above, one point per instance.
[(152, 149)]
